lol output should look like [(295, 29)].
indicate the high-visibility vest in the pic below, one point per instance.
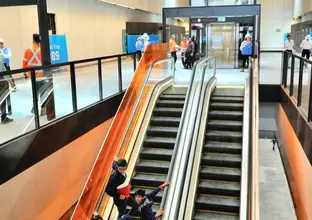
[(184, 45), (32, 58), (173, 46)]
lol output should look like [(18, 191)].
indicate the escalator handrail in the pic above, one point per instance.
[(134, 111), (182, 124)]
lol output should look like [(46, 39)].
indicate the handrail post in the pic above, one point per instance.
[(292, 75), (134, 62), (284, 71), (119, 75), (310, 99), (100, 79), (73, 86), (300, 83), (35, 97)]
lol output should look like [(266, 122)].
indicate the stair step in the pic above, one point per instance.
[(165, 121), (220, 173), (171, 103), (219, 188), (148, 190), (219, 204), (214, 216), (225, 125), (226, 115), (160, 142), (222, 160), (227, 106), (171, 112), (162, 131), (156, 154), (153, 166), (223, 147), (228, 99), (148, 179), (172, 97), (226, 136)]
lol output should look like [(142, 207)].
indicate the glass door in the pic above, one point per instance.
[(221, 43)]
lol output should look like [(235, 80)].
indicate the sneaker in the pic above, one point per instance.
[(6, 120)]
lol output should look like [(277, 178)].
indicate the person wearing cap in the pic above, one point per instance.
[(289, 46), (246, 49), (306, 46), (173, 48), (7, 55), (4, 90), (118, 187), (139, 47), (145, 203), (145, 38)]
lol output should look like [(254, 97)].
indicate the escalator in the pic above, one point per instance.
[(154, 159), (218, 189)]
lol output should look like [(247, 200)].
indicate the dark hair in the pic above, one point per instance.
[(288, 35), (122, 163), (140, 192), (37, 38)]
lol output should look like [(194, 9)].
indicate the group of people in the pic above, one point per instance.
[(119, 189), (32, 58), (187, 48), (141, 44)]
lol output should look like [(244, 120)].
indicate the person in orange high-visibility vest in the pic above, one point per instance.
[(173, 48), (183, 46), (32, 56)]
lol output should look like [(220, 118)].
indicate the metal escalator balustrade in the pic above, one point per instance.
[(154, 159), (218, 190)]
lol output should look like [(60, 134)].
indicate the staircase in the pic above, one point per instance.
[(154, 159), (218, 191)]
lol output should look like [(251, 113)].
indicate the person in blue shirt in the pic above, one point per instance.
[(246, 49), (7, 55), (139, 47), (145, 38)]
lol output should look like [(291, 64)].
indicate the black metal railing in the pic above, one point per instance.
[(68, 69), (296, 78)]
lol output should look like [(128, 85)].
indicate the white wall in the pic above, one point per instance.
[(275, 14), (92, 28)]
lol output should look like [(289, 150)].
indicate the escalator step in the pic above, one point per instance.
[(171, 103), (165, 121), (226, 136), (227, 106), (160, 142), (156, 154), (171, 112), (176, 91), (148, 190), (218, 203), (225, 125), (214, 216), (223, 147), (227, 99), (226, 115), (172, 97), (219, 188), (153, 166), (232, 92), (162, 131), (148, 179), (220, 173), (223, 160)]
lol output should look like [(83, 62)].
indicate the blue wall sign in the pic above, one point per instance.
[(58, 49), (131, 40)]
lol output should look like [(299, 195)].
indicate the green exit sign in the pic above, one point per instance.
[(221, 19)]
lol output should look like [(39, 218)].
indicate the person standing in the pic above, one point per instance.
[(7, 55), (274, 141), (173, 48), (4, 90), (139, 47), (190, 51), (289, 47), (146, 42), (183, 47), (306, 46), (246, 49)]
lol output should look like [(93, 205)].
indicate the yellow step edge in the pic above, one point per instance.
[(219, 196), (215, 212), (232, 87), (219, 181)]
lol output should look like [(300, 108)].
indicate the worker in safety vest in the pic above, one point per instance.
[(32, 56), (173, 48), (183, 46)]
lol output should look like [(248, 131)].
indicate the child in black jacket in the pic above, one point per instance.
[(145, 202)]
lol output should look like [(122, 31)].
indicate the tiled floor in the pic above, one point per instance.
[(275, 198)]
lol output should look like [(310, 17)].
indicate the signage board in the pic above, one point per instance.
[(58, 49), (132, 39)]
